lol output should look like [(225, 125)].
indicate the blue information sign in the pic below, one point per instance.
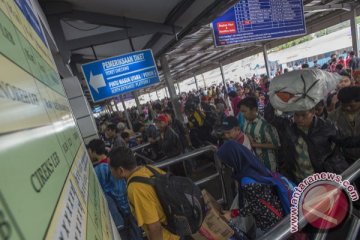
[(257, 20), (27, 10), (110, 77)]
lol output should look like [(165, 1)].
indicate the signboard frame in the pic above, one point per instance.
[(124, 92), (215, 34)]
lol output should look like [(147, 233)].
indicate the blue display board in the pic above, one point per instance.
[(110, 77), (26, 9), (258, 20)]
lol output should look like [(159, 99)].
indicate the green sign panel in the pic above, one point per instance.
[(48, 189)]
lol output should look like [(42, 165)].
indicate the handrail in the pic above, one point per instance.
[(136, 135), (282, 229), (147, 160), (137, 148), (197, 152), (180, 158)]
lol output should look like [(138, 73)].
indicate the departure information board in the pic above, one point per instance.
[(258, 20)]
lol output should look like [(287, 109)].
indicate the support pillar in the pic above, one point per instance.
[(149, 96), (266, 59), (202, 75), (116, 107), (354, 32), (223, 77), (137, 101), (81, 109), (170, 86), (157, 95), (178, 85), (196, 83), (59, 35), (110, 108), (126, 112)]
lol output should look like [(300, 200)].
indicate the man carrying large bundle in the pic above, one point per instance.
[(307, 142)]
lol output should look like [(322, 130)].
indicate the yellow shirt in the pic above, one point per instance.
[(145, 205)]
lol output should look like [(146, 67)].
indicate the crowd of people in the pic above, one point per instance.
[(252, 137)]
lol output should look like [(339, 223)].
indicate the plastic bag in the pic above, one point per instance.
[(245, 224), (301, 90)]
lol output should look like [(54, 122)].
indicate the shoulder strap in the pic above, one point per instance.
[(144, 180), (271, 207), (153, 170)]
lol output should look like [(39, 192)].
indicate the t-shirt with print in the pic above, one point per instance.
[(262, 132), (145, 204)]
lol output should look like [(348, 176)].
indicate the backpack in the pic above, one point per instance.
[(285, 189), (181, 200)]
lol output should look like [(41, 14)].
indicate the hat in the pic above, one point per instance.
[(229, 123), (162, 118)]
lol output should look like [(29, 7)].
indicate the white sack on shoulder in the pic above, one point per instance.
[(301, 90)]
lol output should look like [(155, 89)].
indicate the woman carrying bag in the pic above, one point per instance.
[(262, 194)]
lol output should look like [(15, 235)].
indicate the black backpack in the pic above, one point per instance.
[(181, 200)]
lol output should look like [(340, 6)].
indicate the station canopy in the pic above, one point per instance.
[(86, 30)]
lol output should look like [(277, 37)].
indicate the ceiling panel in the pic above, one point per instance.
[(154, 10), (140, 42), (161, 43), (113, 49), (196, 8), (79, 29)]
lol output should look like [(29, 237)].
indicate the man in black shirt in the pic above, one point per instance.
[(169, 139)]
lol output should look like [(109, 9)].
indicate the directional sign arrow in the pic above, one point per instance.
[(97, 81)]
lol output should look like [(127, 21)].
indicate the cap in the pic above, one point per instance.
[(229, 123), (162, 118)]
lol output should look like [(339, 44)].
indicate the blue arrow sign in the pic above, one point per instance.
[(110, 77)]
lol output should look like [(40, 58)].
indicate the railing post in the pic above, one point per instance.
[(219, 169)]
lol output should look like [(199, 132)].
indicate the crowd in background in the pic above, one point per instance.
[(251, 135)]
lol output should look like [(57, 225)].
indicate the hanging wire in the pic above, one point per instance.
[(81, 29)]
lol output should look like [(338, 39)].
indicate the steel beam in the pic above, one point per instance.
[(107, 20), (98, 39), (213, 50), (59, 36), (171, 18), (328, 7)]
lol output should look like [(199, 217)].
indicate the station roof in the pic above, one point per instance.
[(88, 29), (196, 54)]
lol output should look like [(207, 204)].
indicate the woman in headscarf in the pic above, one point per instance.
[(257, 193)]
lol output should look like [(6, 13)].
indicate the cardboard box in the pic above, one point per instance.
[(214, 226), (210, 201)]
